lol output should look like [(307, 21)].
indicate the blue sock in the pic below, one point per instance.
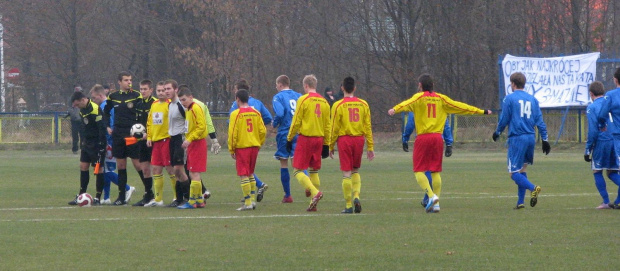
[(285, 178), (615, 178), (259, 184), (599, 181), (521, 180), (521, 191), (430, 181), (107, 179)]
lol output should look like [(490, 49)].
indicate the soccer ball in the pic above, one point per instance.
[(84, 200), (137, 130)]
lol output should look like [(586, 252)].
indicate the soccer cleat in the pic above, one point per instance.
[(200, 205), (436, 208), (261, 191), (311, 209), (315, 200), (308, 193), (154, 203), (145, 199), (128, 193), (614, 206), (119, 202), (519, 206), (288, 199), (246, 207), (431, 202), (96, 202), (424, 202), (74, 201), (186, 206), (347, 211), (357, 206), (139, 203), (175, 203), (106, 202), (206, 195), (604, 206), (535, 194)]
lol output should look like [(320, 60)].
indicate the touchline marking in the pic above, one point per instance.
[(167, 218)]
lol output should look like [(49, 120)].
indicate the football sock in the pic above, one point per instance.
[(253, 188), (148, 185), (424, 184), (173, 182), (436, 183), (99, 185), (158, 185), (203, 187), (285, 179), (430, 182), (314, 177), (185, 186), (356, 185), (615, 178), (195, 189), (521, 180), (521, 191), (141, 176), (258, 181), (346, 191), (246, 188), (84, 181), (599, 181), (304, 180), (178, 191), (106, 185), (122, 182)]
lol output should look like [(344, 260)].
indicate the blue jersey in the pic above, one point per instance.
[(258, 106), (409, 127), (107, 136), (594, 133), (284, 105), (609, 114), (522, 112)]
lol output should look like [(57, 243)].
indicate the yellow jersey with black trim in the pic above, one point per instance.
[(94, 129), (351, 116), (157, 122)]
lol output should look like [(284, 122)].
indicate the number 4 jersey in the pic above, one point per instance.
[(522, 111), (245, 129), (311, 117), (430, 110)]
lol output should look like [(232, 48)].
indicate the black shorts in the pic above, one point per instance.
[(144, 151), (89, 153), (121, 151), (177, 153)]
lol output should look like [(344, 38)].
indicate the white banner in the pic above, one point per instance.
[(555, 81)]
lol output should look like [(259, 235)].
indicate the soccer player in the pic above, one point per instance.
[(124, 103), (311, 122), (246, 134), (94, 145), (266, 115), (610, 115), (176, 130), (430, 110), (350, 127), (159, 139), (284, 104), (521, 112), (144, 151), (600, 147)]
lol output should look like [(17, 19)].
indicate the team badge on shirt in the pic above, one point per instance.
[(130, 105), (158, 118), (86, 121)]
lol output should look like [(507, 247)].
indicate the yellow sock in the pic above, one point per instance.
[(356, 183), (158, 186), (346, 191), (304, 180), (194, 191), (253, 187), (436, 183), (424, 184), (246, 188), (314, 177), (173, 183)]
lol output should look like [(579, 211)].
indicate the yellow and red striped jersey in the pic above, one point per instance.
[(245, 129), (196, 123), (157, 122), (311, 117), (430, 110), (351, 116)]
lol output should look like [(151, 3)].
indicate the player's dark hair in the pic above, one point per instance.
[(106, 86), (597, 88), (77, 95), (243, 95), (284, 80), (427, 82), (172, 82), (348, 84), (147, 82), (184, 91), (518, 79), (122, 74), (617, 75), (161, 83), (242, 84)]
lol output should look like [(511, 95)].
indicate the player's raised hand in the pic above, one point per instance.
[(546, 147)]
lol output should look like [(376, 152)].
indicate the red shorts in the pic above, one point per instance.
[(161, 153), (350, 150), (427, 153), (245, 159), (197, 156), (308, 152)]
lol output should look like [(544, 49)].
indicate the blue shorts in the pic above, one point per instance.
[(604, 156), (281, 152), (520, 151)]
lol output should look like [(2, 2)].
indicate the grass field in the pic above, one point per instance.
[(476, 229)]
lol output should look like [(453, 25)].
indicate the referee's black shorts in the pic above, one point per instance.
[(120, 149), (144, 151), (177, 153), (89, 153)]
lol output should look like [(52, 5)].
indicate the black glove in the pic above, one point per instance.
[(325, 152), (448, 151), (495, 136), (546, 147), (405, 147), (289, 146), (587, 158)]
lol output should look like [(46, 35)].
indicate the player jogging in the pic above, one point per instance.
[(351, 126)]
